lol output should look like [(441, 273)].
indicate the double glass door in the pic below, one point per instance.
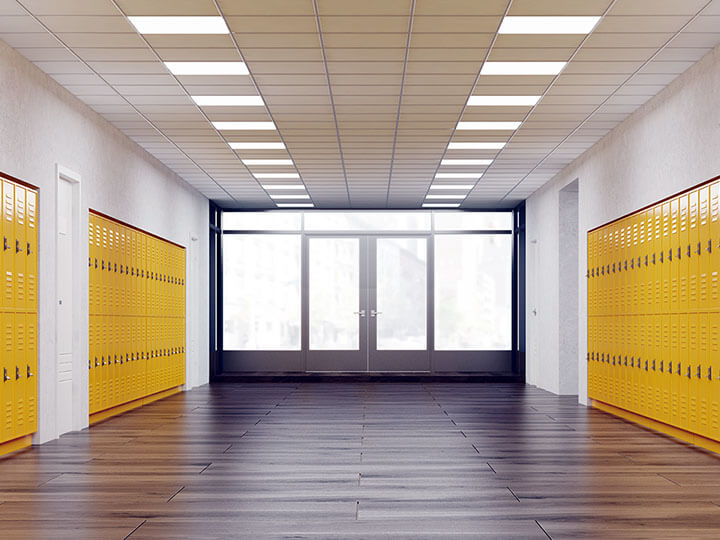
[(366, 303)]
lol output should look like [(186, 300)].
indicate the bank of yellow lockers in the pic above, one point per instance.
[(137, 314), (654, 312), (18, 312)]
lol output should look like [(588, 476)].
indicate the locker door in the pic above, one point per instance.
[(18, 375), (694, 363), (714, 369), (664, 262), (31, 390), (704, 376), (8, 257), (673, 255), (703, 249), (693, 258), (714, 259), (31, 249), (685, 371)]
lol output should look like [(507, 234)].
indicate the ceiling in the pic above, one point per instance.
[(366, 96)]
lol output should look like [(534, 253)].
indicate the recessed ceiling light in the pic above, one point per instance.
[(207, 68), (476, 145), (522, 68), (466, 162), (301, 196), (277, 175), (279, 187), (267, 162), (459, 176), (257, 146), (440, 205), (508, 126), (179, 25), (435, 196), (548, 25), (452, 186), (237, 126), (228, 101), (295, 205), (503, 101)]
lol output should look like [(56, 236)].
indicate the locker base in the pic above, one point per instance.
[(687, 436), (130, 405), (15, 445)]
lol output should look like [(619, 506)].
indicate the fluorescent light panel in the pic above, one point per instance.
[(441, 205), (295, 205), (506, 126), (228, 101), (179, 25), (281, 196), (452, 186), (207, 68), (280, 187), (249, 162), (239, 126), (457, 162), (548, 25), (277, 175), (257, 146), (459, 176), (522, 68), (476, 145), (503, 101)]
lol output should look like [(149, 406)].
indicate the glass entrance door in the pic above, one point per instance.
[(367, 304)]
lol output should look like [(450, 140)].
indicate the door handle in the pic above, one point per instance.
[(361, 312), (374, 313)]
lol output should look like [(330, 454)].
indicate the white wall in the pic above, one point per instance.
[(41, 125), (670, 144)]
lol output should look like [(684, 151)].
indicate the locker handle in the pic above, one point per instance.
[(29, 373), (5, 375), (17, 373), (28, 252), (18, 249)]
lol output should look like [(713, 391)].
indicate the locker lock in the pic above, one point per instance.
[(29, 373), (6, 378)]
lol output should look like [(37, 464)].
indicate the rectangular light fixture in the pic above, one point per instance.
[(238, 126), (281, 196), (257, 146), (522, 68), (278, 176), (228, 101), (548, 25), (476, 145), (506, 126), (295, 205), (281, 187), (452, 186), (207, 68), (458, 162), (250, 162), (179, 25), (503, 101), (459, 176), (441, 205), (435, 196)]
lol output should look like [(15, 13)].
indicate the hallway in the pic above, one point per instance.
[(361, 460)]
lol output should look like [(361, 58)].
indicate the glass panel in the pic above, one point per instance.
[(473, 292), (261, 221), (473, 221), (261, 292), (402, 293), (367, 221), (334, 267)]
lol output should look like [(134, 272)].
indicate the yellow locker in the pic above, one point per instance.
[(713, 263), (692, 251), (703, 250), (8, 245), (7, 391), (31, 266)]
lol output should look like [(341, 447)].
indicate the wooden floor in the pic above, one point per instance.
[(347, 460)]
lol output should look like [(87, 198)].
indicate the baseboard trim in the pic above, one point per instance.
[(16, 444), (130, 405), (667, 429)]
